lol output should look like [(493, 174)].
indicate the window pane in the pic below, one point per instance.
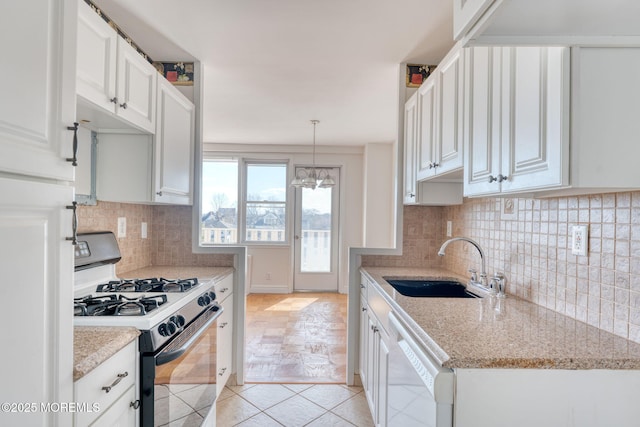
[(219, 221), (265, 222), (266, 182)]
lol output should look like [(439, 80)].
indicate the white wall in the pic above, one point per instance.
[(277, 261), (379, 195)]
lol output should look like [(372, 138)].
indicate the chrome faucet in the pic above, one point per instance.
[(483, 274)]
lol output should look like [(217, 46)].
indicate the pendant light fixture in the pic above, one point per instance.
[(313, 177)]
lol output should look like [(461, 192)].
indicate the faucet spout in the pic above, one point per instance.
[(483, 273)]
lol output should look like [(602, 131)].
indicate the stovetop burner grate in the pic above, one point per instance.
[(116, 305), (148, 285)]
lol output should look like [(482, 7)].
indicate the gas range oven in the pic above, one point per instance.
[(176, 317)]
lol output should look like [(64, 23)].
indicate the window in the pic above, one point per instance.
[(262, 205), (266, 202), (219, 220)]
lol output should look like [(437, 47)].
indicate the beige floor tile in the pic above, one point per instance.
[(260, 420), (297, 388), (328, 396), (225, 394), (265, 396), (169, 409), (234, 410), (295, 412), (355, 410), (329, 420), (191, 420), (239, 388)]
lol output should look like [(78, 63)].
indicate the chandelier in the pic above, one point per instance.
[(313, 177)]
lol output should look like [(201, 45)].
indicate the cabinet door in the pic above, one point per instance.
[(38, 91), (448, 144), (535, 144), (371, 363), (466, 13), (96, 63), (224, 344), (482, 121), (426, 127), (382, 378), (364, 324), (136, 88), (410, 116), (122, 413), (37, 260), (174, 146)]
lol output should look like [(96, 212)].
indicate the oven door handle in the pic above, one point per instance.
[(189, 335)]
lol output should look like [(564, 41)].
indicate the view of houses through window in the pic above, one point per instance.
[(256, 213)]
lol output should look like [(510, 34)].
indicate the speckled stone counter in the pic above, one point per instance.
[(93, 345), (204, 274), (492, 332)]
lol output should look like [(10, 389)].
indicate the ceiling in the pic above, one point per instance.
[(272, 66)]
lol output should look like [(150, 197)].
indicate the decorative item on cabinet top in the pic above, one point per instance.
[(417, 73)]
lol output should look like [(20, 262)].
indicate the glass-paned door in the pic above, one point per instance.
[(315, 237)]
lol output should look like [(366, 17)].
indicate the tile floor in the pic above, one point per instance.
[(292, 405), (296, 338)]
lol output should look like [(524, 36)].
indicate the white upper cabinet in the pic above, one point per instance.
[(96, 63), (410, 133), (551, 120), (38, 63), (174, 146), (426, 130), (112, 78), (136, 83), (440, 119), (518, 133), (546, 22)]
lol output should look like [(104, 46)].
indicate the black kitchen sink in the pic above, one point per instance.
[(431, 288)]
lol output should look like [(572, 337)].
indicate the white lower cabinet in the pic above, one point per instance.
[(224, 338), (113, 388), (374, 359)]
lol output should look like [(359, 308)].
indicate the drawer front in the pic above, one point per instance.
[(224, 288), (123, 412), (378, 306), (89, 388)]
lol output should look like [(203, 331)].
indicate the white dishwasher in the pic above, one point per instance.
[(420, 391)]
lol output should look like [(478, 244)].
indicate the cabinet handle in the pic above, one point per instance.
[(74, 238), (222, 371), (223, 290), (124, 105), (411, 195), (135, 404), (435, 165), (364, 308), (492, 178), (374, 329), (159, 193), (74, 159), (224, 324), (108, 388), (502, 178), (361, 286), (431, 166), (114, 100)]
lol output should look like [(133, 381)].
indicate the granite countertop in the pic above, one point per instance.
[(204, 274), (493, 332), (94, 345)]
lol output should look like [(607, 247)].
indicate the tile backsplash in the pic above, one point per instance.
[(168, 239), (529, 241)]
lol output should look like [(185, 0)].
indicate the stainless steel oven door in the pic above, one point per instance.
[(179, 381)]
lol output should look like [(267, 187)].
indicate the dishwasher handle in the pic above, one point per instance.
[(438, 380)]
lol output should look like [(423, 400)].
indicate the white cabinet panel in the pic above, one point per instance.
[(136, 83), (449, 142), (174, 146), (426, 129), (466, 13), (38, 63), (96, 63), (410, 136), (35, 256)]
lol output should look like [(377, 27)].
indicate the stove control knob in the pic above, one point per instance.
[(204, 300), (212, 295), (167, 329), (177, 320)]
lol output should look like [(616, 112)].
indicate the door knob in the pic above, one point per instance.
[(297, 237)]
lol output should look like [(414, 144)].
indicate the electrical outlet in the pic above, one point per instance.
[(122, 227), (449, 227), (143, 230), (579, 240)]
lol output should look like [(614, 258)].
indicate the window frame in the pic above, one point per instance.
[(242, 202)]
